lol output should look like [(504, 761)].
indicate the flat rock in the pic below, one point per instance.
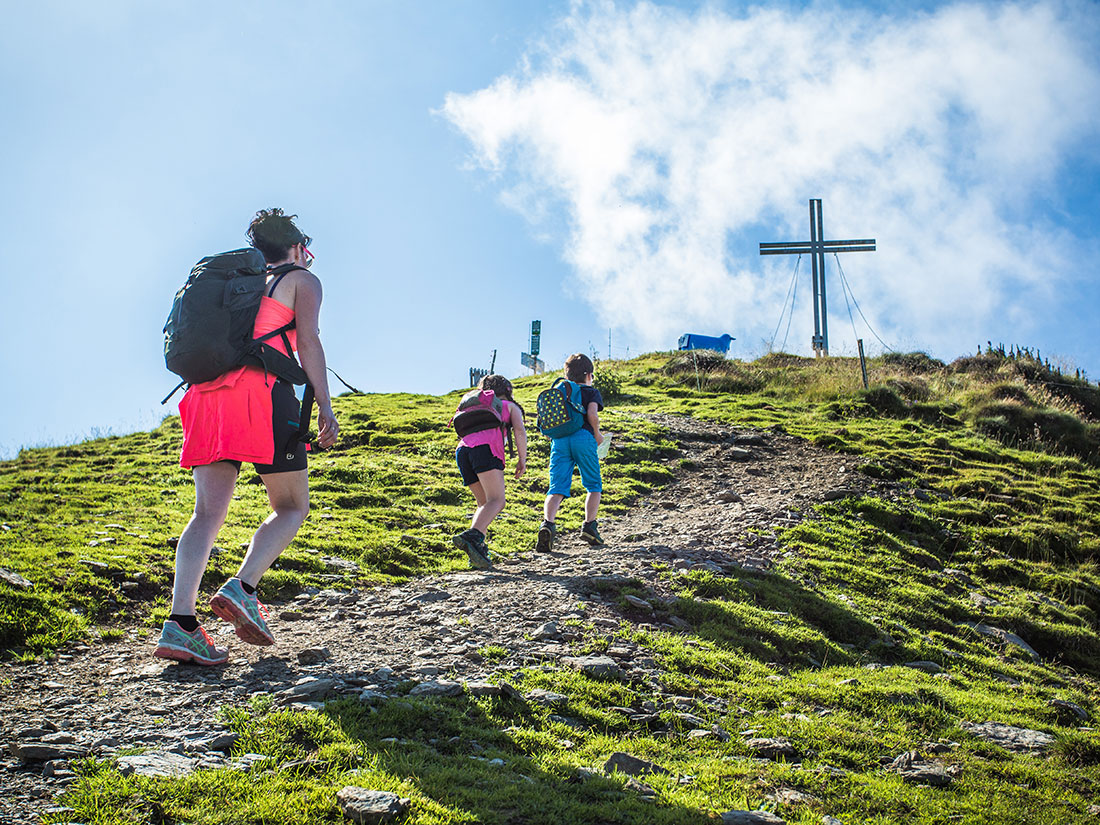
[(156, 763), (772, 748), (751, 818), (439, 687), (1069, 709), (44, 751), (1019, 740), (634, 601), (545, 697), (596, 666), (912, 768), (927, 667), (789, 796), (1006, 637), (309, 688), (366, 806), (639, 788), (15, 580), (223, 741), (631, 765), (738, 454)]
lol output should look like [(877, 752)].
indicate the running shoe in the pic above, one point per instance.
[(590, 534), (244, 611), (176, 643), (547, 533), (474, 545)]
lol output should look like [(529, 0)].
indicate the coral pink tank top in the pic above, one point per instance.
[(230, 417)]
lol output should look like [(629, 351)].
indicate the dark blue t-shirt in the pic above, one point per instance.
[(588, 395)]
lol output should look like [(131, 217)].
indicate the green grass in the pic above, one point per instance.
[(80, 521), (813, 650)]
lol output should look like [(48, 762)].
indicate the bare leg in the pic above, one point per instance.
[(479, 493), (591, 506), (492, 486), (213, 491), (289, 497), (550, 508)]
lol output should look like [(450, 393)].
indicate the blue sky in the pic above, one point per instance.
[(465, 168)]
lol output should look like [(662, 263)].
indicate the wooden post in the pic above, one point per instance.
[(862, 361)]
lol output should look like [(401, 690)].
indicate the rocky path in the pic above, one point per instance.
[(735, 488)]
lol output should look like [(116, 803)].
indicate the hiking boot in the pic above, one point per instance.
[(547, 533), (176, 643), (474, 544), (244, 611), (590, 534)]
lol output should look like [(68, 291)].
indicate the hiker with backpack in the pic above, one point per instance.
[(248, 412), (568, 412), (483, 418)]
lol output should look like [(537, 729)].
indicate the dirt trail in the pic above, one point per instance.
[(734, 488)]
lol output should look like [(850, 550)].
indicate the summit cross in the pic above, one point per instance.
[(817, 246)]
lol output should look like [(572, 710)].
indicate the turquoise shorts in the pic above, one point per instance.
[(577, 450)]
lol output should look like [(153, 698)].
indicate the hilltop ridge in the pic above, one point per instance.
[(848, 575)]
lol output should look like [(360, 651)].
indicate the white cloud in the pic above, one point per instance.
[(674, 142)]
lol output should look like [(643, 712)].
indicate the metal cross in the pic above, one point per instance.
[(817, 247)]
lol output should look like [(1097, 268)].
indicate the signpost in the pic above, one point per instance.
[(531, 359)]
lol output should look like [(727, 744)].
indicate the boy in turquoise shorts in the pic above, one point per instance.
[(576, 451)]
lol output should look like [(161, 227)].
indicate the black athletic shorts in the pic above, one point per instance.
[(285, 419), (474, 460)]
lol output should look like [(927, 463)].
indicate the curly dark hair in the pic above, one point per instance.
[(273, 232)]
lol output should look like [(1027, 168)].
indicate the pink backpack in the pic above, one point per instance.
[(481, 410)]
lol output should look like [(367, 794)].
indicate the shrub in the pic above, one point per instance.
[(609, 383), (883, 400), (918, 363), (712, 372)]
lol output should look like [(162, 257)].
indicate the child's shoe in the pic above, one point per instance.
[(473, 542), (547, 533), (176, 643), (590, 534), (244, 611)]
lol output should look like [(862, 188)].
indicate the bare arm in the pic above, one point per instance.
[(307, 308), (520, 433), (593, 416)]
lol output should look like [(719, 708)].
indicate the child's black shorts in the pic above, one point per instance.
[(474, 460)]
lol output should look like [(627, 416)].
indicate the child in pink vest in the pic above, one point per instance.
[(480, 458)]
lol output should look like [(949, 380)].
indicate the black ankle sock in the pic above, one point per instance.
[(188, 623), (249, 589)]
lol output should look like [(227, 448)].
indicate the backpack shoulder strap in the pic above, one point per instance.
[(281, 272)]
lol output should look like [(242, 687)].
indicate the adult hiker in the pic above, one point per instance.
[(249, 414)]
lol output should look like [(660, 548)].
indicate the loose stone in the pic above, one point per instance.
[(368, 807), (631, 765), (1019, 740), (751, 818)]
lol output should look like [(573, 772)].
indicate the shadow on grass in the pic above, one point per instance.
[(495, 760)]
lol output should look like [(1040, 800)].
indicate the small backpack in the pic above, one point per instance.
[(209, 330), (560, 412), (481, 410)]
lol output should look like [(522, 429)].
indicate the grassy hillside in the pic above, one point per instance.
[(997, 522)]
